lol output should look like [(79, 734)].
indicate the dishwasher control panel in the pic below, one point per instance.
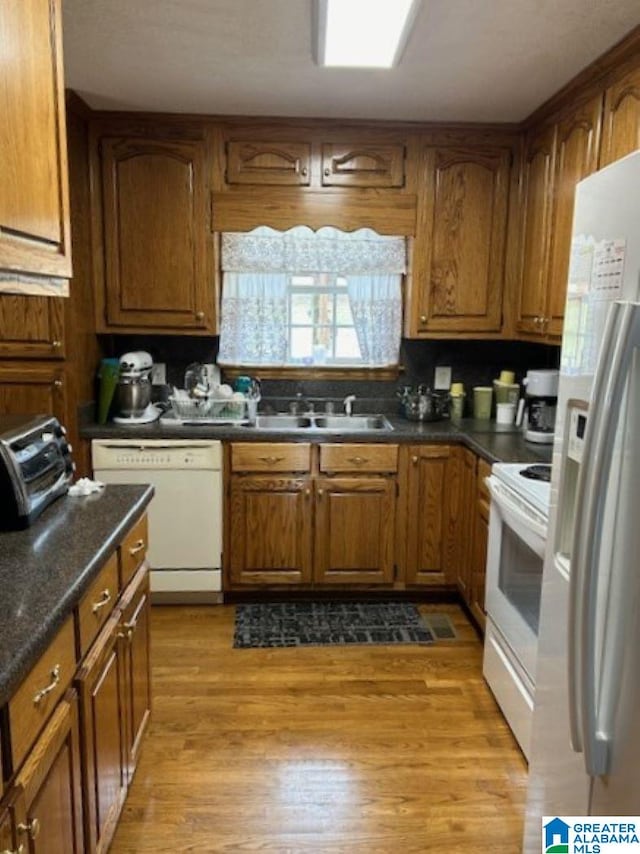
[(155, 455)]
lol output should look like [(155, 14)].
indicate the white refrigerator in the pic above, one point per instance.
[(585, 757)]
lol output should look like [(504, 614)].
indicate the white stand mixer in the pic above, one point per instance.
[(133, 393)]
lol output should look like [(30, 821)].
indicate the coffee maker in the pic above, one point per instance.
[(537, 409), (133, 392)]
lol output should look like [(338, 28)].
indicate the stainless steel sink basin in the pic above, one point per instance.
[(335, 423), (350, 423), (283, 422)]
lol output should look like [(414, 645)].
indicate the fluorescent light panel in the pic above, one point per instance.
[(363, 33)]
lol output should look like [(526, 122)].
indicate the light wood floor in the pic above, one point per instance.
[(325, 749)]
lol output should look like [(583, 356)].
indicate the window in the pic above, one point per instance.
[(305, 298)]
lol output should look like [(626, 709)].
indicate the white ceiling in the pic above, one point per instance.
[(466, 60)]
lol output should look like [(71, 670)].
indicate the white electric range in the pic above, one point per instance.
[(520, 495)]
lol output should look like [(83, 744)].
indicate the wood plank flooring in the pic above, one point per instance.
[(324, 749)]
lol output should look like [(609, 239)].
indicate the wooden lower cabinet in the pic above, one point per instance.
[(136, 670), (354, 541), (461, 506), (428, 531), (103, 736), (32, 388), (479, 549), (47, 813), (271, 530)]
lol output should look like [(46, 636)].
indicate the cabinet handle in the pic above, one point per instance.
[(357, 461), (139, 546), (199, 315), (327, 172), (105, 597), (31, 827), (56, 344), (57, 383), (37, 698), (423, 318), (304, 171), (414, 460), (19, 850), (271, 460), (126, 630)]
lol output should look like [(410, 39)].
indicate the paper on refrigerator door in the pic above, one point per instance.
[(608, 269)]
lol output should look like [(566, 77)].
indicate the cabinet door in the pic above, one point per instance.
[(621, 126), (270, 530), (459, 251), (578, 139), (31, 327), (157, 270), (272, 163), (34, 203), (104, 773), (134, 631), (428, 521), (537, 189), (354, 541), (462, 495), (50, 780), (355, 165), (32, 389), (12, 813), (479, 562)]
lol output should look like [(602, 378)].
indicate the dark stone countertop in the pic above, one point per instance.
[(496, 443), (45, 569)]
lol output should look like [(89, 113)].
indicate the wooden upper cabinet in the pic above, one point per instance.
[(459, 250), (537, 200), (346, 165), (32, 388), (577, 145), (621, 126), (157, 269), (283, 163), (34, 202), (31, 327)]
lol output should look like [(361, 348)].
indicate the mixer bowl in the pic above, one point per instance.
[(133, 395)]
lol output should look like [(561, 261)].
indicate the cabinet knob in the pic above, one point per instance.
[(199, 315), (57, 383), (304, 171), (414, 460), (320, 493), (307, 492), (31, 827), (56, 344), (327, 172), (423, 318)]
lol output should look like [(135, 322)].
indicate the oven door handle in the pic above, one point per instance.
[(507, 505)]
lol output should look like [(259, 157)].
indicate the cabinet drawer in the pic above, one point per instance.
[(265, 456), (367, 458), (97, 603), (33, 702), (133, 551)]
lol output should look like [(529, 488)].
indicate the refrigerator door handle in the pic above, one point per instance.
[(596, 742), (577, 571)]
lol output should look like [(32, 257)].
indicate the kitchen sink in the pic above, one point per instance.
[(329, 423), (283, 422), (352, 422)]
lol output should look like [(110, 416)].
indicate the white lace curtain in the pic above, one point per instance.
[(257, 267)]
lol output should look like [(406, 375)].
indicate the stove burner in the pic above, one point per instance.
[(537, 472)]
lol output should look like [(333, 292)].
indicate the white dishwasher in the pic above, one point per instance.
[(185, 515)]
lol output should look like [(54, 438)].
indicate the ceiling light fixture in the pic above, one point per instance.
[(362, 33)]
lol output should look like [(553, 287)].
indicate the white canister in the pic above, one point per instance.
[(505, 413)]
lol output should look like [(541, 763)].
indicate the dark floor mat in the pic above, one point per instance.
[(320, 623)]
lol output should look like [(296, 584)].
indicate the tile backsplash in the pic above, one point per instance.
[(471, 362)]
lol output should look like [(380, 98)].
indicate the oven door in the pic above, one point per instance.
[(515, 558)]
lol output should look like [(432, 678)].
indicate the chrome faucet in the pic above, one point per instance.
[(348, 404)]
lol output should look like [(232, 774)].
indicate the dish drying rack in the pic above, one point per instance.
[(209, 410)]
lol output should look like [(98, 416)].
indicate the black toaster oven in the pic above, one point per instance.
[(35, 467)]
